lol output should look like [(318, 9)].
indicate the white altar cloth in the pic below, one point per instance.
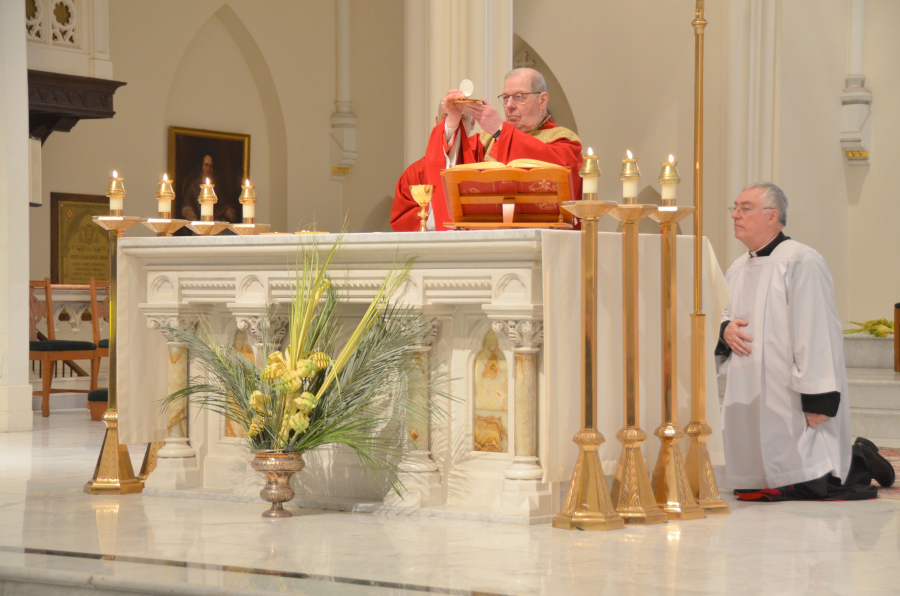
[(513, 274)]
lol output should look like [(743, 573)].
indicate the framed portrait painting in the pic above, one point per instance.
[(194, 156)]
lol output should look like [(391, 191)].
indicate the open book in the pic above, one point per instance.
[(516, 163)]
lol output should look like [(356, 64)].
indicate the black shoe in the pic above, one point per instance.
[(881, 469)]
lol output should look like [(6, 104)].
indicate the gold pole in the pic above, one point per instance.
[(631, 492), (700, 471), (670, 484), (588, 506), (113, 474)]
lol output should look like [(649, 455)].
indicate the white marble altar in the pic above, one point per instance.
[(521, 284)]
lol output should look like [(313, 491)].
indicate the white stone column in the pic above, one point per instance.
[(177, 467), (15, 391), (523, 492), (448, 41), (343, 122), (418, 472)]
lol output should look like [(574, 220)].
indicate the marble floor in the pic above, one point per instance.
[(54, 535)]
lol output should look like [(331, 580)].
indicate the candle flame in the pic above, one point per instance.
[(247, 182), (115, 174), (629, 154), (207, 180), (590, 151), (671, 158), (165, 177)]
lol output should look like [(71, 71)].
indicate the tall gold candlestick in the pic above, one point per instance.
[(670, 484), (113, 474), (631, 492), (588, 506), (700, 470)]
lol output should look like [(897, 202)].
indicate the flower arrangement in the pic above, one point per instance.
[(311, 394), (875, 327)]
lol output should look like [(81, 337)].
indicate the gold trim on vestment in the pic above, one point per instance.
[(545, 135)]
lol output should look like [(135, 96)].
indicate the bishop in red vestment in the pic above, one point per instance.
[(528, 132)]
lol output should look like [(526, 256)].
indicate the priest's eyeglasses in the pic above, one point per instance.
[(743, 210), (518, 97)]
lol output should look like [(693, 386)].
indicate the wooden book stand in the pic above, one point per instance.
[(521, 194)]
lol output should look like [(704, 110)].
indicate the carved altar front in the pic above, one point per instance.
[(503, 313)]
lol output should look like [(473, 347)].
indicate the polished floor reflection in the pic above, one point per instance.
[(50, 531)]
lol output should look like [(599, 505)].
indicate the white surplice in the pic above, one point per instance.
[(788, 300)]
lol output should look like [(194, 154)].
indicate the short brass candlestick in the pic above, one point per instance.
[(207, 226), (631, 492), (248, 225), (422, 195), (700, 470), (588, 506), (113, 474), (163, 224), (670, 483)]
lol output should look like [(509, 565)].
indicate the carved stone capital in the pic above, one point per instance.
[(164, 322), (525, 334), (254, 325)]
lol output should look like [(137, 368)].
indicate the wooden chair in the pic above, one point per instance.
[(99, 312), (53, 350)]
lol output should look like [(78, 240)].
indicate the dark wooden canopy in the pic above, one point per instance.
[(58, 101)]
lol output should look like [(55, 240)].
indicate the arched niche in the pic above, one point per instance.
[(524, 55), (223, 83)]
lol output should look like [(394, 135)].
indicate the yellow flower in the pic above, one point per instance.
[(306, 402), (321, 359), (275, 369), (258, 401), (299, 422), (255, 427), (292, 382)]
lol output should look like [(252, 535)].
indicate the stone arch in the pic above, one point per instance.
[(559, 104), (272, 111)]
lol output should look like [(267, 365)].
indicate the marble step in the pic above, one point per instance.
[(865, 351), (875, 404)]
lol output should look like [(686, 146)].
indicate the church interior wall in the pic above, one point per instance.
[(377, 73), (264, 69), (874, 239), (628, 73)]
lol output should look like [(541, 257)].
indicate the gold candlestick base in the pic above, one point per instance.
[(249, 229), (208, 228), (113, 474), (164, 227), (670, 483), (699, 467), (588, 506), (631, 492), (151, 457)]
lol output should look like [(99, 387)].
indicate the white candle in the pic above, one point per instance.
[(589, 183), (206, 208), (116, 203), (629, 187), (165, 205), (670, 188), (249, 210)]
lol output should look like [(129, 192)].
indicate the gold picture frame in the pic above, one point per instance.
[(79, 249), (194, 155)]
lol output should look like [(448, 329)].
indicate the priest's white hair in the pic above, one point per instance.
[(538, 84), (773, 197)]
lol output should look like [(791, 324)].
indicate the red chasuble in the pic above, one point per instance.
[(550, 143), (405, 212)]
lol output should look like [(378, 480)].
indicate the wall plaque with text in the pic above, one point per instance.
[(79, 248)]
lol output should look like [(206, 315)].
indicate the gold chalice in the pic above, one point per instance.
[(422, 194)]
